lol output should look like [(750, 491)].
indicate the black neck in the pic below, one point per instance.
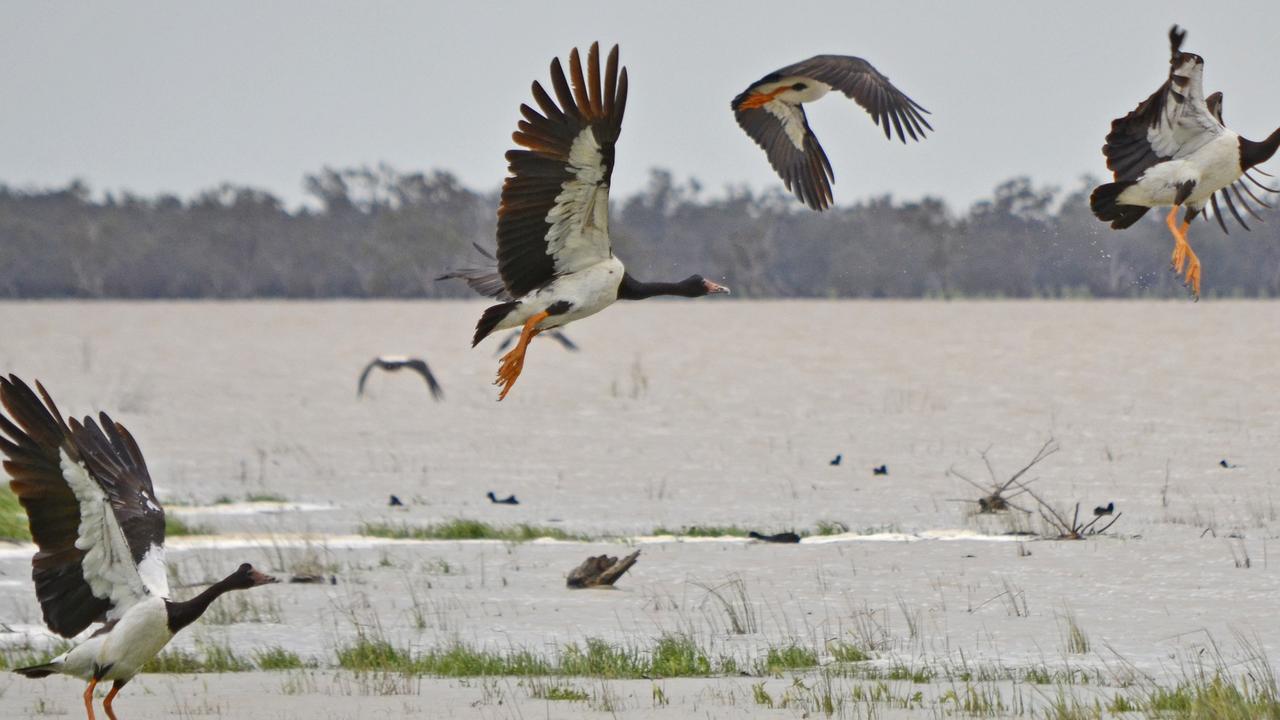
[(182, 614), (633, 289), (1255, 153)]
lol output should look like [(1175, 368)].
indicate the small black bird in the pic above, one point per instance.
[(1223, 462), (1104, 510), (396, 362), (396, 502), (882, 470), (836, 460), (508, 500), (782, 537)]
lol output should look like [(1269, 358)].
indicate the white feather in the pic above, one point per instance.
[(791, 119), (108, 564), (579, 232)]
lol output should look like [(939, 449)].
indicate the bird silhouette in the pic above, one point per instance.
[(508, 500), (882, 470), (836, 460), (1107, 509)]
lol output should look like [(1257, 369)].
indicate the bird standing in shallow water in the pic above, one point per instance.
[(554, 254), (1174, 150), (99, 531), (771, 111), (508, 500)]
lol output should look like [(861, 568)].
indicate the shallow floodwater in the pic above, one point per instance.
[(707, 413)]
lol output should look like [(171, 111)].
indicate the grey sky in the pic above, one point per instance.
[(155, 96)]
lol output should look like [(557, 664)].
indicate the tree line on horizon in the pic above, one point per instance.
[(381, 233)]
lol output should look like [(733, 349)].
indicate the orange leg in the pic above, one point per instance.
[(106, 704), (88, 698), (1182, 252), (513, 361)]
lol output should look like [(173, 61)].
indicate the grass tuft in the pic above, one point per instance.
[(463, 529), (173, 527)]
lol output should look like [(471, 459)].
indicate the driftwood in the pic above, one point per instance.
[(600, 570), (997, 498)]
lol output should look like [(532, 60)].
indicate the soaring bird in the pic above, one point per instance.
[(1174, 150), (100, 532), (399, 362), (486, 281), (554, 254), (771, 111)]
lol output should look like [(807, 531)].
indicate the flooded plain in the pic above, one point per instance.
[(723, 416)]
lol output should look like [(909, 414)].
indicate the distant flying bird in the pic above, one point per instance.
[(555, 258), (1174, 150), (771, 111), (882, 470), (1226, 464), (508, 500), (396, 502), (398, 362), (99, 530), (782, 537), (1107, 509), (556, 335), (486, 281), (836, 460)]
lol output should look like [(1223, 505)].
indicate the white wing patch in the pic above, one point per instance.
[(1185, 126), (579, 233), (107, 564), (792, 121)]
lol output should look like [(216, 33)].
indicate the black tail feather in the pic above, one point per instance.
[(1104, 205), (38, 671), (493, 315)]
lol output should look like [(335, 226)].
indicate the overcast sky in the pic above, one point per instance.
[(163, 96)]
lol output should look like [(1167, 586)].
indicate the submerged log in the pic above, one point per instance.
[(600, 570)]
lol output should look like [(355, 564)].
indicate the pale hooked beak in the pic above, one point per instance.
[(714, 289)]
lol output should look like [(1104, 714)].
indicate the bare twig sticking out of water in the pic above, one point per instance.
[(1073, 529), (996, 499)]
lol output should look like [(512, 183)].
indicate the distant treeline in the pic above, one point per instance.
[(382, 233)]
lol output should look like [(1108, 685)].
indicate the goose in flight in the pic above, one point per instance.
[(1173, 150), (771, 111), (555, 258), (486, 281), (99, 530), (392, 363)]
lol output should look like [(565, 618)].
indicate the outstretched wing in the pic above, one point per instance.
[(420, 367), (92, 510), (364, 375), (868, 87), (1175, 121), (554, 214), (782, 130), (1239, 188)]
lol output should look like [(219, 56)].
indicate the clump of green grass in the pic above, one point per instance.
[(174, 526), (671, 656), (266, 497), (832, 527), (791, 657), (13, 519), (557, 691), (277, 658), (462, 529), (212, 659), (847, 653)]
